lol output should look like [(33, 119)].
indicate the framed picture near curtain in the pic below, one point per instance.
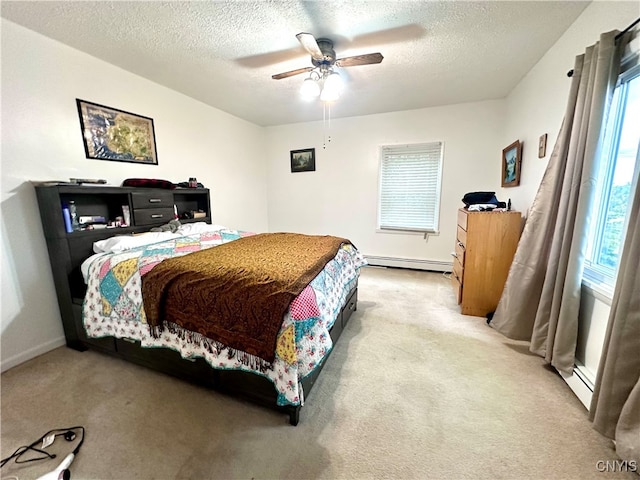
[(511, 161), (542, 146), (112, 134), (303, 160)]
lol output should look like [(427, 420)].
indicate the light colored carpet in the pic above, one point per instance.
[(413, 389)]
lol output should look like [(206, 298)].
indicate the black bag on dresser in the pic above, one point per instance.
[(474, 198)]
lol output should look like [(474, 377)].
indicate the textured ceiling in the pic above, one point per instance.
[(223, 53)]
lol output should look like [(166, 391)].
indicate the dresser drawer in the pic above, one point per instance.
[(349, 308), (165, 360), (462, 237), (458, 270), (155, 199), (460, 251), (152, 216), (462, 218), (457, 288)]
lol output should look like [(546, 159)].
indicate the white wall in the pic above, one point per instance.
[(536, 106), (340, 197), (41, 140)]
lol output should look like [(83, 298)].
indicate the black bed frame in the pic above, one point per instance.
[(148, 208)]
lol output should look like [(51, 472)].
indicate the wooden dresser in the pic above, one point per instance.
[(485, 245)]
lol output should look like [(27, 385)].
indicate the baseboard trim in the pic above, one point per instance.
[(31, 353), (580, 384), (414, 263)]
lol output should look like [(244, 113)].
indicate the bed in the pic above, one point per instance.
[(114, 305), (95, 316)]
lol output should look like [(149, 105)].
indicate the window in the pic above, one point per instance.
[(410, 177), (619, 165)]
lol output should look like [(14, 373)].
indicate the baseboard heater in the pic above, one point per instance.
[(580, 384), (414, 263)]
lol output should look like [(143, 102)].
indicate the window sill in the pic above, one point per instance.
[(406, 232), (601, 291)]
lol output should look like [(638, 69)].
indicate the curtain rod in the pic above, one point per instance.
[(618, 36), (633, 24)]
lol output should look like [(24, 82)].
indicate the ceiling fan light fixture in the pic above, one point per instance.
[(310, 89), (323, 79), (332, 88)]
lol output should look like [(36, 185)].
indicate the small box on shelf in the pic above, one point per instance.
[(126, 215)]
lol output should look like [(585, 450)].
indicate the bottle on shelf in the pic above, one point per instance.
[(73, 213), (193, 182), (67, 218)]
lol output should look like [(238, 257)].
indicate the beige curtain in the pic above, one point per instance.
[(541, 298), (615, 405)]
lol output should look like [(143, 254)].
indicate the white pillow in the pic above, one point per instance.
[(122, 243), (198, 227)]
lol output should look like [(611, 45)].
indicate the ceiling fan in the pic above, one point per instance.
[(323, 57)]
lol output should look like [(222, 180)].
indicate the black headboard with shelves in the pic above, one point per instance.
[(148, 208)]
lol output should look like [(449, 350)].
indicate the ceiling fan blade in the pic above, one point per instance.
[(291, 73), (356, 60), (309, 43)]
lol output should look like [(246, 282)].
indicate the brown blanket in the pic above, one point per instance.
[(236, 293)]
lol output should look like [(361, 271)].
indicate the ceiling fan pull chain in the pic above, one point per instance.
[(324, 126), (329, 128)]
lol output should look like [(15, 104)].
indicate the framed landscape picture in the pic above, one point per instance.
[(511, 160), (112, 134), (303, 160)]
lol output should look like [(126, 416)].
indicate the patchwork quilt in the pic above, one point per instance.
[(113, 306)]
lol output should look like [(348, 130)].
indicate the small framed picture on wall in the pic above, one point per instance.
[(511, 160), (303, 160), (542, 146)]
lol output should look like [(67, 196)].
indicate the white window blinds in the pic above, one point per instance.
[(410, 178)]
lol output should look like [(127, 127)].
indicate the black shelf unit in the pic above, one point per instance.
[(67, 251)]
